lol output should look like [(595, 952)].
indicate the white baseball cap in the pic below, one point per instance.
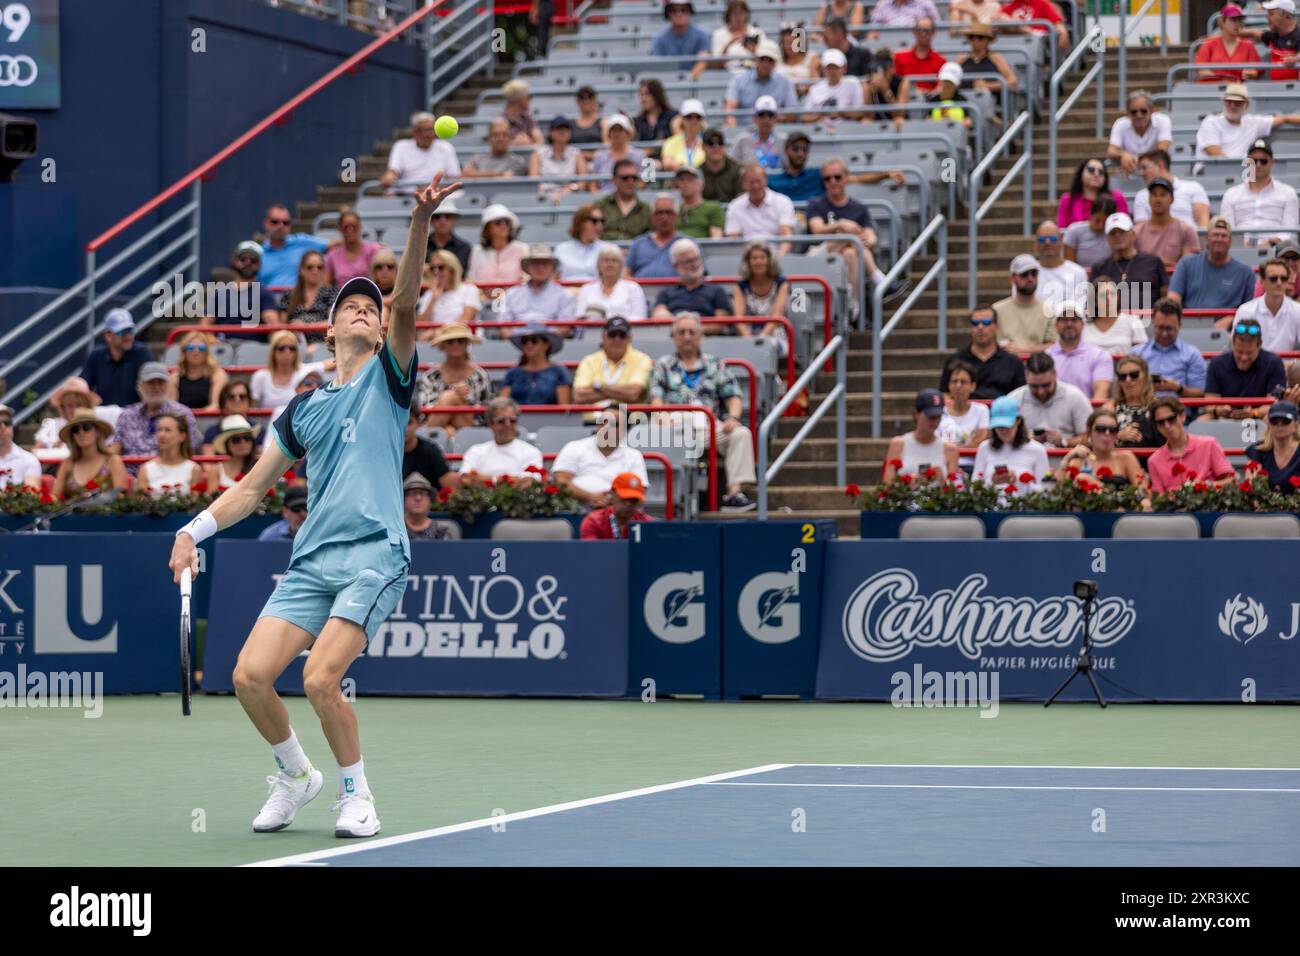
[(771, 51), (1023, 263), (833, 57), (693, 108), (951, 72), (1287, 5), (1119, 220), (765, 104), (618, 119)]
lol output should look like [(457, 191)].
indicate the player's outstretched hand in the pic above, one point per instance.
[(427, 200), (184, 555)]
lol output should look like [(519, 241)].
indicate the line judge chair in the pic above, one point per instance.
[(537, 529), (1042, 527), (941, 527)]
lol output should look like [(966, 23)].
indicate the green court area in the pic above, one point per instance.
[(143, 786)]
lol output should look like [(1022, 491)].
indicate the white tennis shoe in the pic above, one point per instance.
[(289, 794), (357, 817)]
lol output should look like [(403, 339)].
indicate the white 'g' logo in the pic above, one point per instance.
[(767, 610), (673, 611)]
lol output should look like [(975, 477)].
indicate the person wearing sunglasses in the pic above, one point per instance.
[(383, 273), (721, 172), (1161, 235), (112, 366), (1087, 367), (236, 440), (965, 423), (589, 466), (1098, 453), (762, 142), (18, 466), (1288, 252), (1131, 399), (456, 380), (837, 213), (996, 370), (1010, 454), (1276, 314), (73, 394), (1276, 451), (1139, 275), (1191, 203), (541, 296), (587, 129), (309, 301), (1059, 279), (351, 257), (447, 296), (626, 215), (1091, 182), (505, 454), (1261, 201), (762, 83), (282, 250), (1025, 322), (920, 59), (416, 160), (1229, 45), (618, 133), (681, 38), (272, 386), (1246, 370), (443, 238), (1141, 130), (1231, 132), (1201, 457), (797, 180), (617, 372), (199, 378), (537, 380), (90, 466), (293, 512), (233, 399), (1213, 279), (246, 260)]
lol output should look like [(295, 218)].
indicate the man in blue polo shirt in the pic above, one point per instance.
[(681, 37), (692, 293), (649, 255), (1176, 367), (1247, 370), (282, 252), (111, 368), (1213, 279), (796, 178)]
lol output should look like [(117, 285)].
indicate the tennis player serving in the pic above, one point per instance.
[(350, 557)]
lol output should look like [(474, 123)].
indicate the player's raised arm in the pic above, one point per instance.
[(401, 326), (234, 505)]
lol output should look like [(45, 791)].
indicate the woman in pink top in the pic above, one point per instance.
[(1229, 46), (1184, 457), (1090, 181), (351, 258)]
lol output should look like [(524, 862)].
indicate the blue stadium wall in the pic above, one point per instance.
[(140, 109)]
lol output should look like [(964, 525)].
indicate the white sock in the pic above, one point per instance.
[(352, 780), (878, 278), (289, 756)]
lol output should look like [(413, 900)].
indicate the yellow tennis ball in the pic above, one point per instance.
[(446, 127)]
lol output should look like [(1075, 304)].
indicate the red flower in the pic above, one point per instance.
[(1245, 487), (930, 474), (905, 479), (552, 489), (954, 476), (1253, 466), (895, 463), (1012, 489), (1026, 478), (239, 477), (288, 476), (199, 488), (1191, 474), (92, 485), (1200, 486), (852, 490), (1089, 486), (1072, 471), (47, 498), (534, 470), (270, 492), (1295, 481), (1179, 468), (444, 494), (1105, 471), (487, 482), (881, 494), (505, 480)]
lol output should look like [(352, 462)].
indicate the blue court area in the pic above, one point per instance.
[(835, 815)]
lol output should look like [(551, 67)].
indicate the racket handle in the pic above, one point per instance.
[(186, 582)]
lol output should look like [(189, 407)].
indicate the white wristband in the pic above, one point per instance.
[(203, 526)]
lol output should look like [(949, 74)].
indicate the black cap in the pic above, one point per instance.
[(1261, 145), (561, 121), (616, 323), (930, 401), (1284, 409), (798, 137), (296, 495), (1161, 182)]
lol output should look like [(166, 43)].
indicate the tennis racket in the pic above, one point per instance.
[(186, 674)]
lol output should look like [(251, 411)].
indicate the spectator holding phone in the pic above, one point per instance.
[(1055, 412), (1176, 367), (1246, 370), (922, 448), (1097, 455), (1009, 456), (1132, 399)]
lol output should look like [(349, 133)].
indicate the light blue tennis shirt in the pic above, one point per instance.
[(352, 436)]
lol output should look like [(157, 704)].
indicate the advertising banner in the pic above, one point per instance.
[(1174, 621), (29, 54)]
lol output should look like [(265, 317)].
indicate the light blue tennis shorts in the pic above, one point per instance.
[(359, 581)]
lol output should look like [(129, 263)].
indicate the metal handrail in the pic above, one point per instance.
[(1094, 40), (1189, 68), (1124, 29), (444, 53), (880, 329), (975, 212), (837, 347)]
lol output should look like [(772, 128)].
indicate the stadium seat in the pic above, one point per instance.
[(436, 435), (943, 527), (1205, 339), (1156, 526), (537, 529), (466, 438), (552, 438), (1047, 527), (1257, 526), (451, 527), (1226, 431)]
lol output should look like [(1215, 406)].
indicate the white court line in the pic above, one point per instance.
[(1034, 766), (957, 786), (299, 858)]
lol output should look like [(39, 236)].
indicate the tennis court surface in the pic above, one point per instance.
[(810, 814)]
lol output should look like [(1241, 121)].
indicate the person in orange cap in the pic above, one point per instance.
[(610, 524)]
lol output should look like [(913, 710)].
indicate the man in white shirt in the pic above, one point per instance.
[(17, 465), (1059, 279), (1261, 202), (1056, 413), (1231, 132), (1191, 204), (758, 211), (506, 454), (419, 159), (835, 91), (1142, 130), (1278, 316), (590, 465)]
